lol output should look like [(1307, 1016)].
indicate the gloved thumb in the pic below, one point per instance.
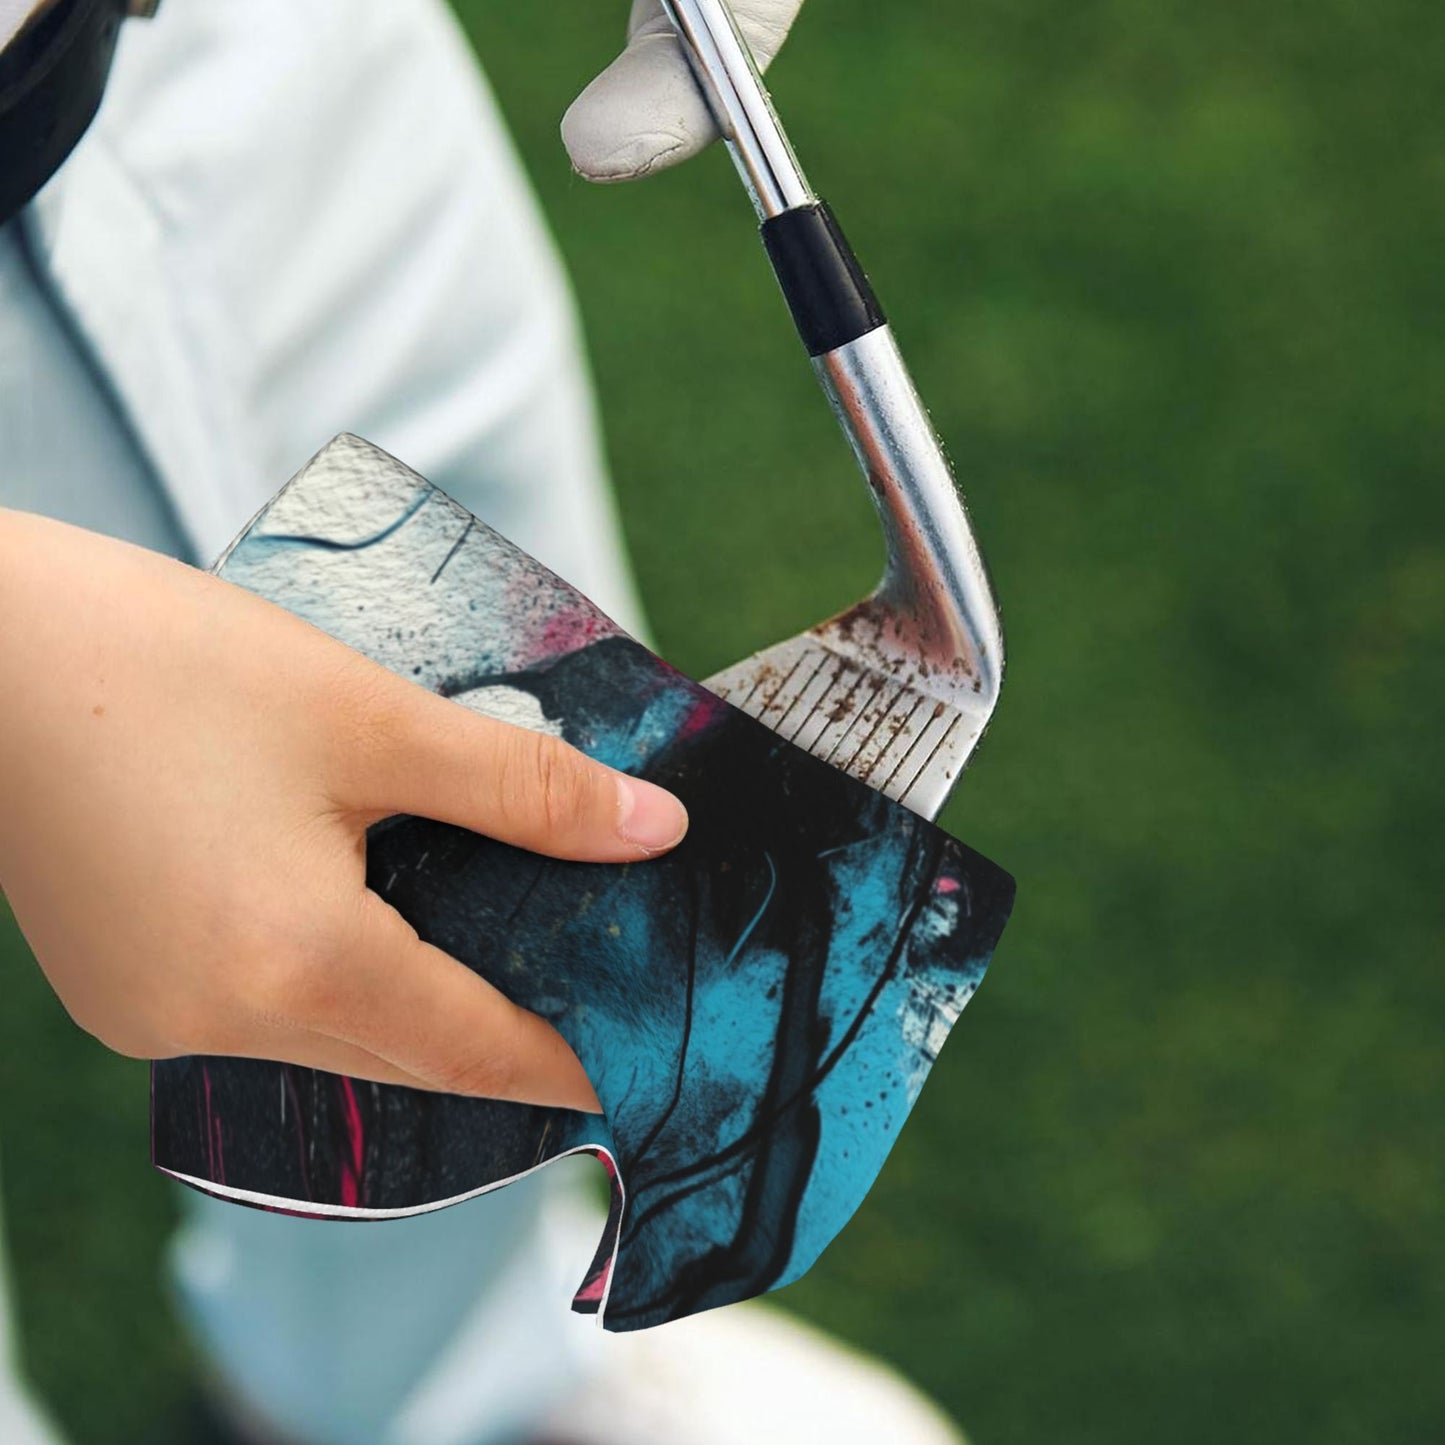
[(645, 112)]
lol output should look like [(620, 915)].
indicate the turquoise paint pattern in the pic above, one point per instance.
[(758, 1011)]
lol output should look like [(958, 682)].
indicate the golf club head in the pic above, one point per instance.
[(896, 691)]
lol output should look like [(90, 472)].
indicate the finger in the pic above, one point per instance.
[(429, 1017), (308, 1049), (311, 1050), (264, 1033), (253, 1038), (645, 112), (429, 756)]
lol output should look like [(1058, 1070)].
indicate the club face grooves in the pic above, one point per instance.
[(883, 730)]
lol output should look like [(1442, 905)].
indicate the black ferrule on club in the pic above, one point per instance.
[(826, 289)]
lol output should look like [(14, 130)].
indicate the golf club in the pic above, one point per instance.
[(897, 690)]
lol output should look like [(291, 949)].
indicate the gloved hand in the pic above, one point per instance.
[(645, 112)]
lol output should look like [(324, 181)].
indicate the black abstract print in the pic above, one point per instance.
[(758, 1010)]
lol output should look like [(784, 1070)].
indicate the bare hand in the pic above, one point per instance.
[(186, 778)]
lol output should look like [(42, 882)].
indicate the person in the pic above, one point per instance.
[(288, 219)]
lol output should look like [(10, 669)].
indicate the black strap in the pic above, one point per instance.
[(52, 76)]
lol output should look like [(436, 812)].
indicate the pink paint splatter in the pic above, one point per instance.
[(593, 1291), (571, 631), (351, 1162), (703, 715)]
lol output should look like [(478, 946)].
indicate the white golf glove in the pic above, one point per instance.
[(645, 111)]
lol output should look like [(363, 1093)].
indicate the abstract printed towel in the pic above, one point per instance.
[(757, 1010)]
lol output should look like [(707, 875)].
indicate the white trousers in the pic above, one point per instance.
[(239, 260)]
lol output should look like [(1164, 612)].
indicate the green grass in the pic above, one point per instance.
[(1170, 276)]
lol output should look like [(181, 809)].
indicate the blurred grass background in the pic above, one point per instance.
[(1171, 278)]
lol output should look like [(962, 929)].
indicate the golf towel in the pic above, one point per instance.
[(757, 1010)]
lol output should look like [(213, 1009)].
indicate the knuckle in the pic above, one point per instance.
[(192, 1029), (558, 787), (292, 990), (293, 980), (490, 1075), (372, 724), (380, 718), (187, 1026)]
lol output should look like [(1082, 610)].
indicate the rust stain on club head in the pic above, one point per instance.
[(897, 689)]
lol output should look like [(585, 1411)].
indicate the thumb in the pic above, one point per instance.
[(646, 112), (434, 758)]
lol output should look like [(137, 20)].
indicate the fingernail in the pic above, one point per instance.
[(648, 817)]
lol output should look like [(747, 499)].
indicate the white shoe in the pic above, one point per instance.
[(745, 1375), (748, 1374), (520, 1367)]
